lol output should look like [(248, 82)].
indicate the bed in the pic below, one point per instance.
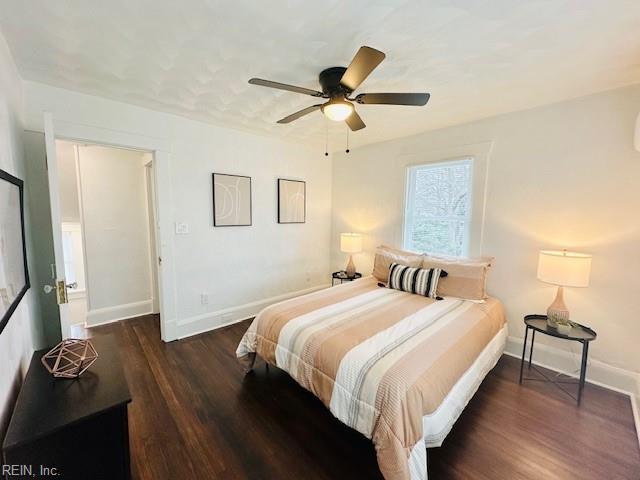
[(395, 366)]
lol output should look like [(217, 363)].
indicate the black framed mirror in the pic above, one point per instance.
[(14, 275)]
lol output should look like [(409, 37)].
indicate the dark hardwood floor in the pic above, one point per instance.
[(195, 415)]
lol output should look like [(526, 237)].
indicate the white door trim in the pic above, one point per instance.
[(76, 152), (154, 235), (160, 148), (56, 220)]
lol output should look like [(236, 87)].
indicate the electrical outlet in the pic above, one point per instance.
[(204, 298), (182, 228)]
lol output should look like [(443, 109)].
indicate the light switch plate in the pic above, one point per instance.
[(182, 228)]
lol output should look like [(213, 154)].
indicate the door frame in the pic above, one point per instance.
[(152, 214), (161, 152)]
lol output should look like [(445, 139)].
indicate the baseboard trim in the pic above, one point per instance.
[(102, 316), (599, 373), (195, 325)]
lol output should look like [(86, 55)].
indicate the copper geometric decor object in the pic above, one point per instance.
[(70, 358)]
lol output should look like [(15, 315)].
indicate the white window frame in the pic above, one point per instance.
[(410, 199), (422, 154)]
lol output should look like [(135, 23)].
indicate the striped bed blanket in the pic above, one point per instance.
[(379, 359)]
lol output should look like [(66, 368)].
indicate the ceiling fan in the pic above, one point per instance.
[(338, 83)]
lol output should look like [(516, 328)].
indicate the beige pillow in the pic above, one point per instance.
[(386, 255), (467, 276)]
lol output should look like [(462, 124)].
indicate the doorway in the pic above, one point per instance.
[(158, 150), (107, 222)]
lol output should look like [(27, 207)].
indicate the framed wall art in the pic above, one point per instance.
[(231, 200), (292, 201)]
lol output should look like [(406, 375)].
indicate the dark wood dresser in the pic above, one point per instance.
[(71, 429)]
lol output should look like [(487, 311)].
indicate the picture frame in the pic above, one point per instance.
[(292, 201), (232, 202), (14, 272)]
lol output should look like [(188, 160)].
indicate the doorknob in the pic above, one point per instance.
[(51, 288), (60, 288)]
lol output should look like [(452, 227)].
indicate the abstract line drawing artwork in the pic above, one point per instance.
[(231, 200), (291, 201)]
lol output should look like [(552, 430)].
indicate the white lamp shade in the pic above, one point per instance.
[(337, 110), (350, 242), (566, 269)]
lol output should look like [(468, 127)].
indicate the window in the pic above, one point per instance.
[(438, 208)]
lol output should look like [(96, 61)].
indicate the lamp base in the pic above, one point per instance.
[(557, 311), (351, 268)]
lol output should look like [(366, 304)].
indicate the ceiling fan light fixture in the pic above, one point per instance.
[(337, 110), (338, 83)]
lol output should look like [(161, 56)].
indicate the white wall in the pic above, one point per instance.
[(240, 268), (564, 175), (116, 233), (23, 332)]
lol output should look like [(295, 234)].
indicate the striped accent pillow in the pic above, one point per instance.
[(421, 281)]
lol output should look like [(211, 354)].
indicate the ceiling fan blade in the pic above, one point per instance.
[(284, 86), (355, 122), (297, 115), (416, 99), (365, 61)]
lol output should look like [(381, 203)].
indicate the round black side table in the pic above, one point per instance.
[(342, 276), (579, 333)]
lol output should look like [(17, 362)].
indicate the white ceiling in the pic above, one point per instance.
[(193, 58)]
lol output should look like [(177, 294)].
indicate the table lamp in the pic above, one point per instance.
[(564, 269), (350, 243)]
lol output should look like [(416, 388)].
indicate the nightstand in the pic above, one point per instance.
[(579, 333), (74, 429), (342, 277)]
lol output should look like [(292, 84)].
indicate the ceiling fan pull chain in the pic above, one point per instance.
[(347, 150), (326, 138)]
